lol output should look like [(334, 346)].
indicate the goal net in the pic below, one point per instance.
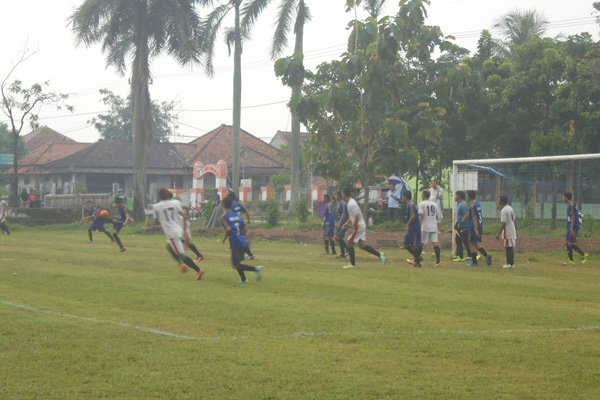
[(534, 187)]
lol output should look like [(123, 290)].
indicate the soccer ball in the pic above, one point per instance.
[(103, 214)]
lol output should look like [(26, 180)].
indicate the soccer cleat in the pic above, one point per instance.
[(349, 266), (199, 274), (249, 258), (473, 264), (467, 258), (488, 260), (183, 268), (382, 258), (411, 261), (122, 250), (200, 258), (458, 259), (585, 258), (508, 266), (258, 272), (417, 265), (342, 256), (438, 265), (571, 262), (246, 281), (325, 253), (478, 257), (89, 241)]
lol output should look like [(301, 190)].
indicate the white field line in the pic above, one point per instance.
[(293, 335)]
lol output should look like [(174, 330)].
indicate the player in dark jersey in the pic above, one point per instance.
[(237, 241), (238, 208), (573, 226), (97, 221), (474, 219), (340, 232), (412, 238), (328, 225), (120, 221)]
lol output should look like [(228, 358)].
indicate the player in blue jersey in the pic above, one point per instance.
[(340, 232), (328, 225), (474, 220), (460, 227), (237, 242), (97, 221), (412, 237), (238, 208), (120, 221), (573, 226)]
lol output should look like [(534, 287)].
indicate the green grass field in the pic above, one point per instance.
[(82, 321)]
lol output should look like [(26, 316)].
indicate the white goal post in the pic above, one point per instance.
[(535, 181)]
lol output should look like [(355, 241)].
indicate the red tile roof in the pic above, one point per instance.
[(255, 155), (43, 136), (34, 162)]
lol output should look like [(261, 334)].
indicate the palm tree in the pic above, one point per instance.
[(140, 29), (233, 37), (518, 27), (291, 13)]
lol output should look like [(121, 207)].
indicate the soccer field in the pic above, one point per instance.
[(83, 321)]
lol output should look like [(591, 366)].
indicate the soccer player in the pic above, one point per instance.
[(340, 233), (97, 221), (508, 230), (358, 234), (238, 208), (430, 220), (171, 218), (573, 226), (412, 238), (3, 214), (328, 225), (474, 219), (460, 227), (119, 222), (237, 241)]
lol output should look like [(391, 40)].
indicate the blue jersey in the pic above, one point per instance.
[(234, 222), (461, 210), (572, 209), (239, 209), (342, 210), (329, 214), (414, 225), (478, 217), (122, 214)]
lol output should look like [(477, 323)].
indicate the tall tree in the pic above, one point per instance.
[(292, 13), (518, 27), (140, 29), (234, 38), (21, 103)]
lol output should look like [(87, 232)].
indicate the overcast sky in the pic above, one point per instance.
[(206, 103)]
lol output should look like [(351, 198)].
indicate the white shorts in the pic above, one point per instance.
[(361, 234), (177, 246), (509, 243), (429, 237)]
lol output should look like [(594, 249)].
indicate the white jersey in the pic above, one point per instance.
[(3, 210), (353, 212), (507, 217), (431, 215), (168, 213)]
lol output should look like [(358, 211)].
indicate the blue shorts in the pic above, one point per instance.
[(117, 226), (473, 238), (328, 229), (413, 238), (97, 225), (571, 238), (341, 233)]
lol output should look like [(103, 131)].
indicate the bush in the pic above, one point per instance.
[(209, 208), (272, 212), (302, 211)]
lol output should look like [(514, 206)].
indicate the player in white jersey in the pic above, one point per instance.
[(358, 233), (3, 214), (508, 231), (169, 214), (430, 219)]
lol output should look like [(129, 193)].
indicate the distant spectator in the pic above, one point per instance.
[(217, 197), (437, 196), (394, 197), (24, 197), (32, 198)]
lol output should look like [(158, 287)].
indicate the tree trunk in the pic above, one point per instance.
[(237, 101), (296, 143), (13, 199), (143, 124)]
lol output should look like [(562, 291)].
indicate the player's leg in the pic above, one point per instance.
[(340, 239), (438, 254), (177, 246), (107, 233), (116, 231), (4, 227), (351, 251), (332, 242), (194, 249)]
